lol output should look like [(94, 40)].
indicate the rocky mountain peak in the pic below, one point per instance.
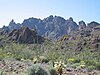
[(59, 19), (70, 19), (25, 35), (50, 18), (93, 24), (12, 22), (82, 25)]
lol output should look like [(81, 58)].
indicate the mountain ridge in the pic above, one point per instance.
[(52, 27)]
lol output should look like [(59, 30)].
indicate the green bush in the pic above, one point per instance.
[(2, 56), (75, 65), (90, 68), (90, 62), (36, 70), (52, 71), (43, 59), (98, 66), (73, 60), (1, 72)]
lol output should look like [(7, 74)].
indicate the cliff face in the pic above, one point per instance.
[(25, 35)]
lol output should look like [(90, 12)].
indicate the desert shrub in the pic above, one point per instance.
[(43, 59), (1, 72), (90, 68), (98, 66), (77, 61), (75, 65), (73, 60), (18, 57), (53, 55), (37, 70), (26, 54), (90, 62), (52, 71), (35, 60), (2, 56)]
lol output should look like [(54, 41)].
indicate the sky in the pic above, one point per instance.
[(87, 10)]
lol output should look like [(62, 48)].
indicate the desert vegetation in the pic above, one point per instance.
[(23, 51), (40, 59)]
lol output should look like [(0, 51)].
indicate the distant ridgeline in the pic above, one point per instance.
[(52, 27)]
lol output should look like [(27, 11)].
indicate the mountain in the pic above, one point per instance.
[(51, 27)]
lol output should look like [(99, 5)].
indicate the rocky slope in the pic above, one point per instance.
[(25, 35)]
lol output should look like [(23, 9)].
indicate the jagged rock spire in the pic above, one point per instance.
[(82, 24), (12, 22), (70, 19)]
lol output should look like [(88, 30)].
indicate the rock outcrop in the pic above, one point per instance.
[(13, 25), (25, 35), (82, 25), (93, 24)]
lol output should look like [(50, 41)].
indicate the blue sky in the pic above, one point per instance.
[(87, 10)]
